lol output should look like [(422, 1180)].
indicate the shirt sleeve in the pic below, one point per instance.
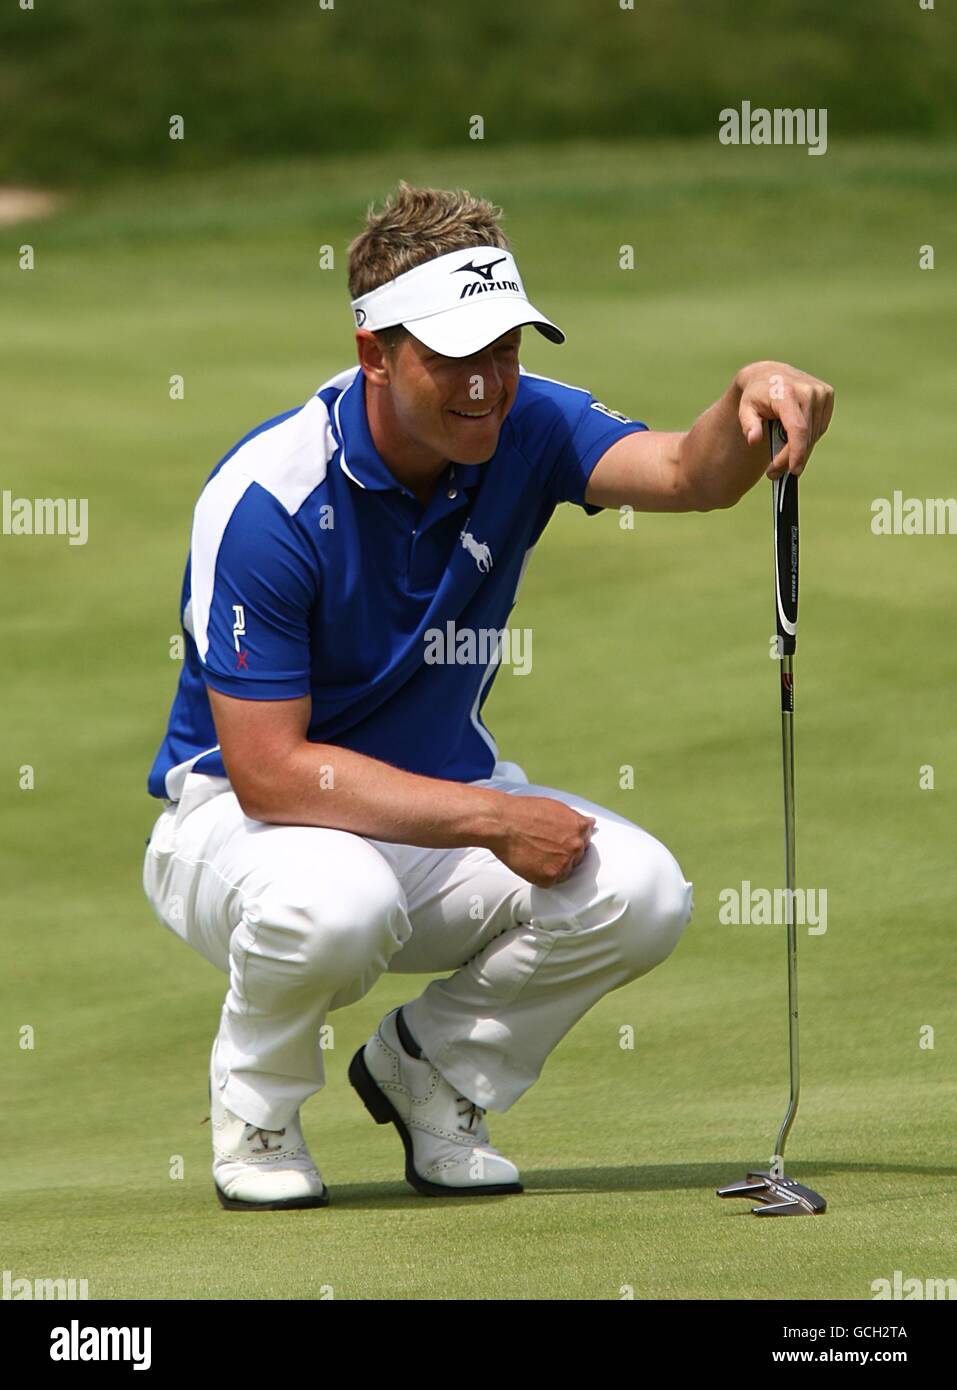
[(583, 434), (253, 638)]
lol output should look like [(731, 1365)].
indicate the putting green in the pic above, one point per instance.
[(650, 650)]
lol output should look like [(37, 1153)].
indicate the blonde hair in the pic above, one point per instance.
[(414, 226)]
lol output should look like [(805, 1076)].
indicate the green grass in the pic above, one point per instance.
[(650, 648)]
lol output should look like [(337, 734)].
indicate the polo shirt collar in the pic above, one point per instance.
[(358, 457)]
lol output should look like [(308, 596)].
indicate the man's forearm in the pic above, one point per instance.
[(324, 785), (718, 464)]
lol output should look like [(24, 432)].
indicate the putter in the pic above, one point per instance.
[(777, 1195)]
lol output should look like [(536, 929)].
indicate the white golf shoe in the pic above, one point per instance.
[(446, 1139), (261, 1169)]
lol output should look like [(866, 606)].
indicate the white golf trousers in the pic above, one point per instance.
[(304, 920)]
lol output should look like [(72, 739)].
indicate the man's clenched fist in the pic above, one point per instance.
[(541, 839)]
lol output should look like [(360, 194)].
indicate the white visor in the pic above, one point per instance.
[(455, 304)]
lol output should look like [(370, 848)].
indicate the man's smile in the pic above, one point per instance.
[(473, 414)]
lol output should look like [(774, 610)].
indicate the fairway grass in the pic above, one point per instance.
[(650, 652)]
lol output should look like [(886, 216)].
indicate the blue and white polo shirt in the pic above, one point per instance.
[(313, 571)]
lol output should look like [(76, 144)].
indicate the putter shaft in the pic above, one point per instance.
[(787, 746), (777, 1195)]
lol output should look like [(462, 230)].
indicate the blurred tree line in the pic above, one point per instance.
[(88, 87)]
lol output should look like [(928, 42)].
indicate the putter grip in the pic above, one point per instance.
[(784, 496)]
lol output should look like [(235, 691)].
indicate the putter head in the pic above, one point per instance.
[(776, 1196)]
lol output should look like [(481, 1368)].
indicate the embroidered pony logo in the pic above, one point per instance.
[(478, 550)]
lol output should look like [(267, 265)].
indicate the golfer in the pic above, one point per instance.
[(334, 805)]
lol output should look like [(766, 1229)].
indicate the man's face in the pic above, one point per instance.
[(454, 406)]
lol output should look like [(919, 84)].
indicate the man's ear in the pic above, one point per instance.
[(375, 359)]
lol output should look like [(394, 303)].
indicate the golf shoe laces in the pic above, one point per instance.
[(474, 1113)]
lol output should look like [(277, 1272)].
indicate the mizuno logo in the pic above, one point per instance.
[(480, 286), (485, 282), (484, 270)]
